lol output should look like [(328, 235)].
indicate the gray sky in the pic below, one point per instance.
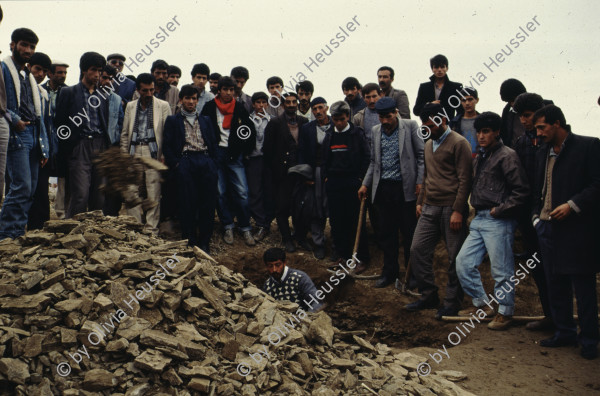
[(559, 60)]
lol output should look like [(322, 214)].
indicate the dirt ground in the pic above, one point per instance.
[(496, 363)]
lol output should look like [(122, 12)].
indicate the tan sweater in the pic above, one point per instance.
[(448, 173)]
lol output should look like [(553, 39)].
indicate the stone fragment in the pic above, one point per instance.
[(98, 379), (15, 370), (53, 278), (321, 329), (199, 384), (73, 241), (152, 360)]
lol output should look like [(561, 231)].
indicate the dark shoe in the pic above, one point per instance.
[(290, 247), (589, 352), (305, 245), (540, 325), (500, 322), (555, 342), (360, 268), (446, 311), (418, 305), (228, 236), (248, 238), (261, 234), (319, 252), (382, 282)]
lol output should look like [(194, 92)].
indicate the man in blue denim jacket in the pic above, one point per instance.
[(28, 141), (500, 190)]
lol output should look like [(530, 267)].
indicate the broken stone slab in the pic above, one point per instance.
[(443, 387), (130, 328), (117, 345), (33, 279), (98, 379), (15, 370), (363, 343), (28, 304), (321, 329), (451, 375), (199, 384), (212, 295), (73, 241), (10, 290), (409, 360), (136, 258), (152, 360), (110, 232), (197, 371), (53, 278)]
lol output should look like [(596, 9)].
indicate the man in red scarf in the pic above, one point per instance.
[(236, 138)]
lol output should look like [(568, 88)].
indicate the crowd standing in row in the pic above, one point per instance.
[(281, 155)]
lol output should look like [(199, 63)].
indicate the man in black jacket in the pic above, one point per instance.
[(499, 190), (346, 160), (310, 151), (440, 90), (236, 137), (565, 216), (84, 114), (280, 152), (190, 149)]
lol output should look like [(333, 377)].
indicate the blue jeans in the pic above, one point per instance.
[(22, 165), (487, 233), (233, 191)]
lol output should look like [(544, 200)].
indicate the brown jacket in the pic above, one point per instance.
[(448, 173)]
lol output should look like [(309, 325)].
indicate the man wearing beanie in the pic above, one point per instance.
[(395, 176)]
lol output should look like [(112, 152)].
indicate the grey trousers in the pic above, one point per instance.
[(4, 134), (84, 181), (433, 224)]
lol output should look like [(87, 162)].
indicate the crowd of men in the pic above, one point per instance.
[(272, 156)]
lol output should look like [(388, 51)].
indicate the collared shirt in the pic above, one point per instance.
[(321, 132), (438, 143), (93, 125), (308, 114), (224, 132), (142, 116), (52, 95), (344, 130), (193, 136), (438, 91), (26, 108), (390, 156), (203, 98), (260, 123)]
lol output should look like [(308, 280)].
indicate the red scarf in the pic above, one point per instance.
[(227, 110)]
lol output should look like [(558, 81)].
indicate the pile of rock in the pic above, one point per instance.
[(93, 306)]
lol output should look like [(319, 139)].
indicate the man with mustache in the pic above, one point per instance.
[(28, 141), (385, 77), (351, 88), (305, 90), (162, 90), (565, 217)]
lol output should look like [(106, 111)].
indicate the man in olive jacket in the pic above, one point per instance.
[(565, 216)]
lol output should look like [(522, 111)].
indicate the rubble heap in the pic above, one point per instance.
[(93, 306)]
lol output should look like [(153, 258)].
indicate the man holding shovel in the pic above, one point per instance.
[(396, 175)]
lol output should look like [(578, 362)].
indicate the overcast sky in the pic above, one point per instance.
[(559, 60)]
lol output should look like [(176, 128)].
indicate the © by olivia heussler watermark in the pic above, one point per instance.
[(490, 65), (280, 332), (454, 337), (63, 131), (103, 328)]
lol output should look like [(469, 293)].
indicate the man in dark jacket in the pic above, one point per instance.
[(82, 126), (280, 151), (526, 147), (565, 216), (500, 188), (511, 128), (439, 89), (346, 160), (236, 137), (310, 151), (190, 149)]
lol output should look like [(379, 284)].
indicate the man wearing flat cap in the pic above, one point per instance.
[(395, 176), (310, 151), (126, 88)]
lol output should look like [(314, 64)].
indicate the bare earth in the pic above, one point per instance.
[(496, 363)]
